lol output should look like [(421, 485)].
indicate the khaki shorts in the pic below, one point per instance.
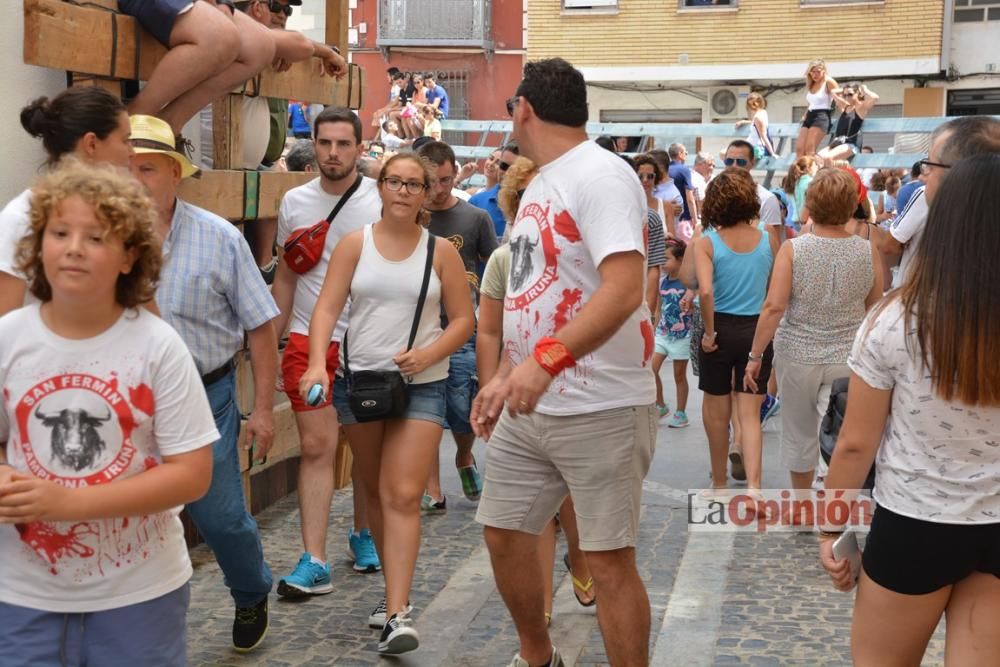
[(805, 394), (600, 459)]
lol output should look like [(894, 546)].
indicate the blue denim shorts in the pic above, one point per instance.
[(129, 635), (462, 387), (427, 402)]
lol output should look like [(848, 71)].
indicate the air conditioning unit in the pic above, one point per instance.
[(727, 103)]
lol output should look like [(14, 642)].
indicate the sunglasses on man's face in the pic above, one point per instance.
[(738, 161), (503, 166), (278, 8)]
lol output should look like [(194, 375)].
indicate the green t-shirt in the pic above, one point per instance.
[(279, 129)]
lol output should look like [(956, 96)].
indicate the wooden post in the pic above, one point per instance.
[(227, 134), (337, 23)]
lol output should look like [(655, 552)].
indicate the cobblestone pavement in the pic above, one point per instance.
[(717, 599)]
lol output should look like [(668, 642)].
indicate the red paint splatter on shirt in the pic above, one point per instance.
[(647, 340), (52, 545), (566, 227), (571, 298), (142, 398)]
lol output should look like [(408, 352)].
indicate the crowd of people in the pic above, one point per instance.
[(536, 315)]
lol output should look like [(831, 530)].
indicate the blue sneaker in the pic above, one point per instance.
[(769, 408), (308, 578), (362, 550)]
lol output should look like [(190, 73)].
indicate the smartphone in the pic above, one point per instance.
[(846, 546)]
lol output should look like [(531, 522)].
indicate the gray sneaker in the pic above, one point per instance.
[(555, 661)]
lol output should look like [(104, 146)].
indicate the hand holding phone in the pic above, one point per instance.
[(846, 547)]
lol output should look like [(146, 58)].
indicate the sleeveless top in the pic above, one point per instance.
[(383, 302), (821, 100), (830, 280), (849, 126), (739, 279)]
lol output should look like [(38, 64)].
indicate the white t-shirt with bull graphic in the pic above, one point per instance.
[(581, 208), (94, 411)]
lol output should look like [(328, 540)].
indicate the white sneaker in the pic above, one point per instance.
[(398, 635), (555, 661), (376, 619)]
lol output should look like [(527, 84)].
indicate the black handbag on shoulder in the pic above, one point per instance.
[(378, 395)]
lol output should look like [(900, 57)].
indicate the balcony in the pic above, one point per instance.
[(435, 23)]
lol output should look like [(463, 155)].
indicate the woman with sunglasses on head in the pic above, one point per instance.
[(821, 90), (381, 268), (924, 405), (855, 102)]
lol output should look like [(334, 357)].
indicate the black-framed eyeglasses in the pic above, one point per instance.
[(510, 104), (278, 8), (396, 184), (738, 161), (503, 166), (939, 165)]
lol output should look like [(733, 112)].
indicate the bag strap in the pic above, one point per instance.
[(343, 198), (428, 267)]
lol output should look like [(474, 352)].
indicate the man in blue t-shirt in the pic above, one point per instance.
[(487, 199), (917, 180), (681, 174), (436, 95)]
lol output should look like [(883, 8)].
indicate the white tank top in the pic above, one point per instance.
[(820, 100), (383, 302)]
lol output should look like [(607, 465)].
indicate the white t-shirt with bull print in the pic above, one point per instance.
[(96, 411), (581, 208)]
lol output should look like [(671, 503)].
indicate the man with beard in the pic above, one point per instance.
[(338, 146)]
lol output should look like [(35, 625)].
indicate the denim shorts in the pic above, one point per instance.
[(427, 402), (146, 633), (462, 386)]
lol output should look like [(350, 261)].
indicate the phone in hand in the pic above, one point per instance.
[(846, 546)]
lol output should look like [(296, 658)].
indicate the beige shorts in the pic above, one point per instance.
[(805, 394), (601, 459)]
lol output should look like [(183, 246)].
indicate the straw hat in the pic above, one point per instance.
[(153, 135)]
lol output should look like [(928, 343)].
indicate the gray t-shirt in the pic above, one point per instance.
[(470, 230)]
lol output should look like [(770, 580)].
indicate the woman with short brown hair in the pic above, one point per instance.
[(823, 283)]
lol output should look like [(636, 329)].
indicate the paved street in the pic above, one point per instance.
[(717, 599)]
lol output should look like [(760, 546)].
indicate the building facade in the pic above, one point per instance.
[(694, 61)]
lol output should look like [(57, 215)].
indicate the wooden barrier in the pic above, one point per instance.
[(101, 42)]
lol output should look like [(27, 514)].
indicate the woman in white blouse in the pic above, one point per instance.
[(925, 398)]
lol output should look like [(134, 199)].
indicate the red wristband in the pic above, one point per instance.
[(553, 355)]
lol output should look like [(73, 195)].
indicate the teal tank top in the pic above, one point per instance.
[(739, 279)]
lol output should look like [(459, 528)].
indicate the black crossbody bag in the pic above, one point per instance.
[(378, 395)]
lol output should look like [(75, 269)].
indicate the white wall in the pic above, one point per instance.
[(310, 19), (20, 83), (973, 45)]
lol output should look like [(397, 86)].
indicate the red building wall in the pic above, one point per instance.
[(492, 78)]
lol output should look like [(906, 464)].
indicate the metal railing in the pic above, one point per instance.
[(435, 23)]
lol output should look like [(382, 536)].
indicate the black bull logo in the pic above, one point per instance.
[(75, 440), (521, 265)]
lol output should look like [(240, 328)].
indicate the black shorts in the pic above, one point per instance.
[(818, 118), (721, 372), (156, 16), (915, 557)]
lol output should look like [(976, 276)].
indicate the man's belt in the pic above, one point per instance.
[(214, 376)]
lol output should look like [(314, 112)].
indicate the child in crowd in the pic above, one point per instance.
[(673, 333), (104, 434)]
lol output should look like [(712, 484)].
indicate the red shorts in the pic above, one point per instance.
[(295, 362)]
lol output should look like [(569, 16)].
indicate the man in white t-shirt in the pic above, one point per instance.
[(338, 146), (740, 154), (959, 138), (570, 409)]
